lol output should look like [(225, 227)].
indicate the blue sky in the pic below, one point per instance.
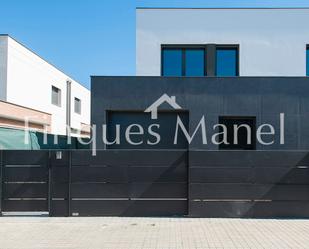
[(93, 37)]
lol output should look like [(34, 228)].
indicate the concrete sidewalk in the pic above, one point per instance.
[(150, 233)]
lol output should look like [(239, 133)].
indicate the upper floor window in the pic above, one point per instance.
[(56, 96), (200, 60), (77, 106), (183, 61), (226, 61), (307, 60), (172, 62)]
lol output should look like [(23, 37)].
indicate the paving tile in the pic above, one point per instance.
[(151, 233)]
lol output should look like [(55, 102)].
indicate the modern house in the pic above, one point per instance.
[(235, 66), (201, 73), (32, 89)]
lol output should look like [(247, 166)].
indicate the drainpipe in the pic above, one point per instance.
[(68, 109)]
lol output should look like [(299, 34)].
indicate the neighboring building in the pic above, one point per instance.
[(222, 42), (31, 87)]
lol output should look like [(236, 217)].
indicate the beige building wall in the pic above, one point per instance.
[(15, 116)]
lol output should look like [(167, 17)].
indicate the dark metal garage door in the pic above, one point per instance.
[(166, 120)]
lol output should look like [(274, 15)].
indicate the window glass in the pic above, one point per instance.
[(307, 61), (226, 62), (172, 62), (56, 96), (242, 133), (77, 105), (195, 62)]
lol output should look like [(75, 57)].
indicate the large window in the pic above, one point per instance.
[(240, 133), (183, 62), (56, 96), (172, 62), (307, 60), (226, 61), (195, 62), (77, 106), (200, 60)]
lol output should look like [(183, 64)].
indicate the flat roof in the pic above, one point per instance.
[(45, 60)]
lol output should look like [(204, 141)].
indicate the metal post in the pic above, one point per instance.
[(189, 181), (70, 180), (68, 109), (49, 164)]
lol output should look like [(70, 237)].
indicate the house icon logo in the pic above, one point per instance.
[(153, 109)]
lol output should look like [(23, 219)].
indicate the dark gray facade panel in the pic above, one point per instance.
[(262, 97), (24, 174), (220, 175), (25, 206), (25, 190), (250, 209), (129, 208), (232, 191), (25, 157), (128, 158), (107, 174), (248, 158)]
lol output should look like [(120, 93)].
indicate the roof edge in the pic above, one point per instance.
[(221, 8), (51, 64)]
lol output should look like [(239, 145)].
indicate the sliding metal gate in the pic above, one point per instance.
[(25, 180), (155, 183), (261, 184), (129, 183)]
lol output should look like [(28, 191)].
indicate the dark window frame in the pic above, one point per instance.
[(209, 60), (253, 131), (59, 96), (307, 66), (228, 47), (80, 105), (183, 49)]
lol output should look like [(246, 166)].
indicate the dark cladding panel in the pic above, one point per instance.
[(25, 174), (220, 175), (247, 209), (249, 192), (158, 190), (25, 157), (107, 174), (99, 190), (25, 205), (129, 208), (26, 190), (150, 158)]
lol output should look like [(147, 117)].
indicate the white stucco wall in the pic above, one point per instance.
[(272, 41), (29, 83), (3, 66)]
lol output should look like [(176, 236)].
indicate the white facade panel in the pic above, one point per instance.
[(29, 83), (272, 42), (3, 66)]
